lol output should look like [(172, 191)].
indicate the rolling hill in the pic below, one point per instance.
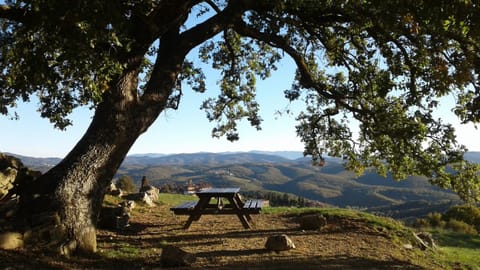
[(287, 172)]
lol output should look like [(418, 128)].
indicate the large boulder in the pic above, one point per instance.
[(279, 243), (174, 256), (151, 191), (312, 222), (116, 218), (11, 240)]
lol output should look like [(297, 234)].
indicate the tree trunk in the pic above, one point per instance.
[(66, 201), (72, 192)]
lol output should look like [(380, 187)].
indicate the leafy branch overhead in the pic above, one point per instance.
[(372, 74)]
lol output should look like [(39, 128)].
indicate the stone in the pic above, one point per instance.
[(152, 192), (114, 218), (7, 179), (279, 243), (113, 190), (425, 240), (312, 222), (11, 240), (174, 256)]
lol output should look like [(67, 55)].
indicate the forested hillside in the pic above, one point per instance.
[(260, 171)]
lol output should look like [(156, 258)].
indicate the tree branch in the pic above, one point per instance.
[(307, 79), (13, 14)]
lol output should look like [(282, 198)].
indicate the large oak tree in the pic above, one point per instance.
[(380, 65)]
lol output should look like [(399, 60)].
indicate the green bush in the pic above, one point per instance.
[(126, 184), (421, 223), (460, 226), (466, 213), (435, 220)]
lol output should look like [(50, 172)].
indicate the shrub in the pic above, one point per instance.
[(421, 223), (126, 184), (460, 226), (466, 213), (435, 220)]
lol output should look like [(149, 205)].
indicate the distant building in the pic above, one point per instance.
[(191, 188)]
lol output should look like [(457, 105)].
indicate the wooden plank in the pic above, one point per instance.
[(253, 204), (185, 205), (218, 192)]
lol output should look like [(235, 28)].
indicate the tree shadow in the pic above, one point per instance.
[(318, 262)]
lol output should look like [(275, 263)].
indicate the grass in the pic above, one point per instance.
[(458, 248), (175, 199), (377, 221), (121, 251)]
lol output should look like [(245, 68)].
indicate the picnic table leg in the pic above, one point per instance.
[(197, 212), (240, 215)]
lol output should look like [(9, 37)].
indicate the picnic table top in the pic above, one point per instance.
[(218, 191)]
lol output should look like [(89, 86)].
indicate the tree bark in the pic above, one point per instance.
[(73, 191)]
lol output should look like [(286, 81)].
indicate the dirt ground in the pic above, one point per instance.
[(220, 242)]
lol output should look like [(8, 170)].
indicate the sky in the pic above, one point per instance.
[(187, 129)]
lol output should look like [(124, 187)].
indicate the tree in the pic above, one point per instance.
[(385, 64), (125, 183)]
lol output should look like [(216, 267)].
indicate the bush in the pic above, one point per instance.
[(460, 226), (126, 184), (421, 223), (466, 213), (435, 220)]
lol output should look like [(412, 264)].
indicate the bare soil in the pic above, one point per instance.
[(220, 242)]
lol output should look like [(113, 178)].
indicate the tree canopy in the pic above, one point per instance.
[(382, 66)]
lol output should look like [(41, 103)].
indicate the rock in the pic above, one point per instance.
[(148, 195), (7, 179), (147, 199), (152, 192), (312, 222), (425, 240), (175, 256), (127, 205), (114, 190), (115, 218), (279, 243), (11, 240)]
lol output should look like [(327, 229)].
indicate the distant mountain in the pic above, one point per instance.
[(208, 159), (286, 154), (472, 156), (288, 173), (40, 164)]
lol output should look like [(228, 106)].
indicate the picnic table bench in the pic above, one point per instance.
[(204, 206)]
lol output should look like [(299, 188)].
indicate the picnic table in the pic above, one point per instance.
[(211, 202)]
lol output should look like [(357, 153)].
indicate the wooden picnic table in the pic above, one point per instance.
[(233, 206)]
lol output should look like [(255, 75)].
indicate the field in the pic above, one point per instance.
[(351, 240)]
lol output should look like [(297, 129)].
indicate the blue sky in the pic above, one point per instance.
[(185, 130)]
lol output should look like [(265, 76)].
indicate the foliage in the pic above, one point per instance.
[(371, 73), (460, 226), (435, 220), (467, 213), (126, 184), (459, 218), (277, 198)]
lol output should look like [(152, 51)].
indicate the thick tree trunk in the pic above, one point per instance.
[(72, 192), (66, 200)]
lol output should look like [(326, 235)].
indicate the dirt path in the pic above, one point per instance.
[(221, 242)]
